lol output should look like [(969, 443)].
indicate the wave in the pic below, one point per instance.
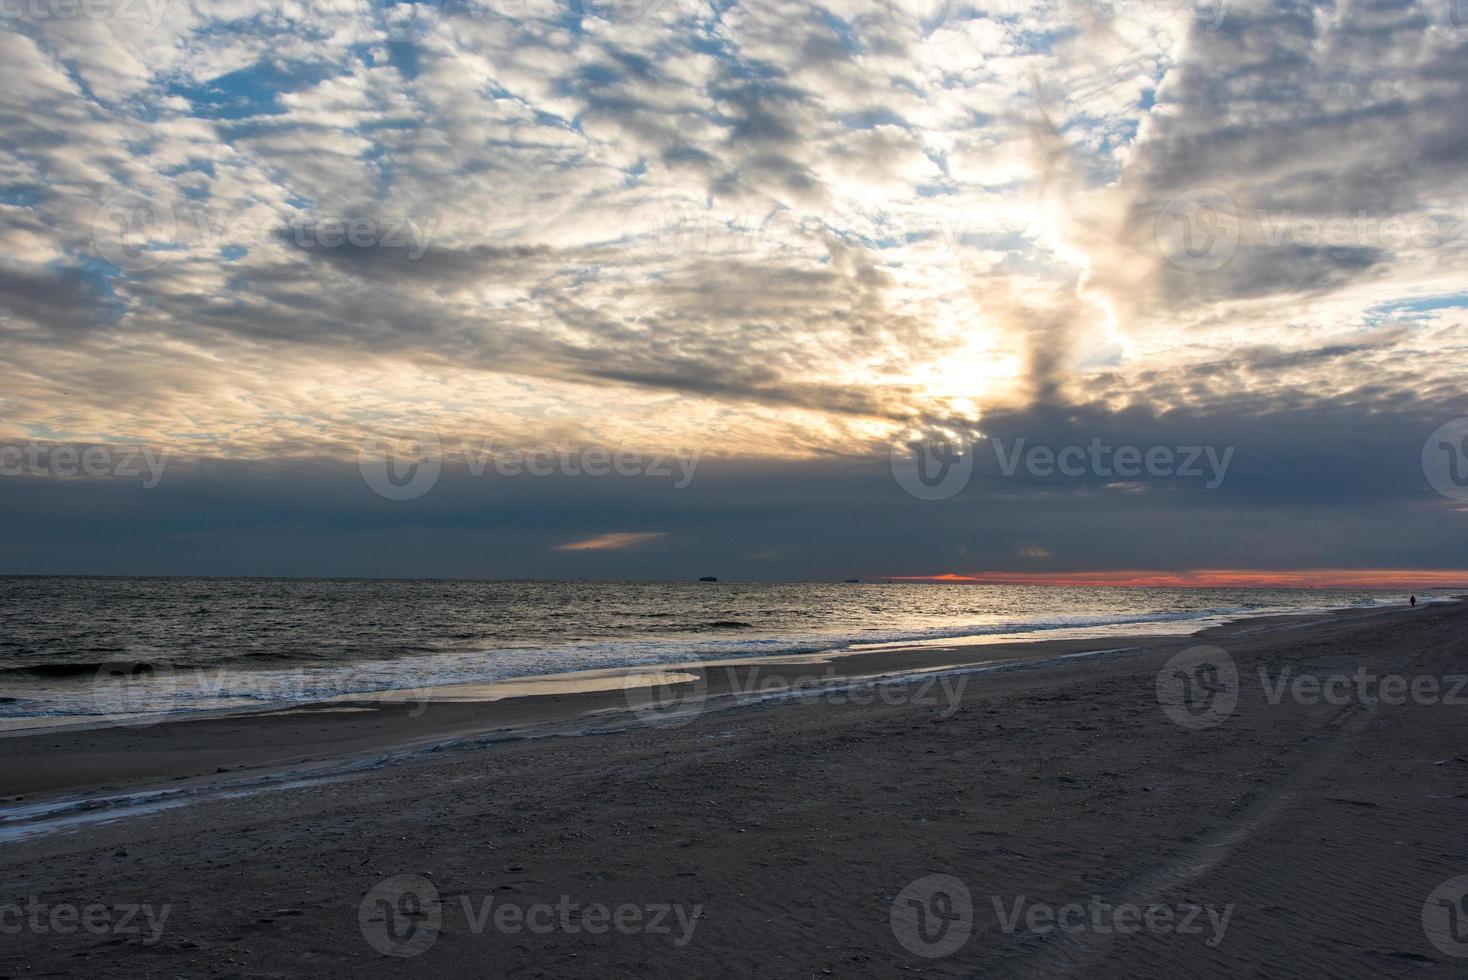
[(288, 677), (51, 670), (63, 668), (308, 677)]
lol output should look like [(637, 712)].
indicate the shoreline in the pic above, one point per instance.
[(1316, 828), (1133, 632), (104, 757)]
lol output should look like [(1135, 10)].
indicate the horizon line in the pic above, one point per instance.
[(1316, 578)]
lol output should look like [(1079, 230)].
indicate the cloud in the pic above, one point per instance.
[(614, 541), (1306, 502), (765, 230)]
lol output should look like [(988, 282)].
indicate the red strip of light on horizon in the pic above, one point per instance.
[(1313, 578)]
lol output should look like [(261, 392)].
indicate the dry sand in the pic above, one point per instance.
[(773, 838)]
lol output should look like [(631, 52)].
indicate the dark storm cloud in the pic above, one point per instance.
[(1314, 488), (1345, 456)]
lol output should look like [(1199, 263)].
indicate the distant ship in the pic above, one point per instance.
[(709, 578), (853, 580)]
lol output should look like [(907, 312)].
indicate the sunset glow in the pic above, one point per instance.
[(793, 242), (1219, 578)]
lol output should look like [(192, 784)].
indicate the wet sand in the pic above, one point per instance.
[(774, 836), (114, 756)]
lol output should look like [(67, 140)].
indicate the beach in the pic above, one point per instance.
[(742, 489), (1045, 809)]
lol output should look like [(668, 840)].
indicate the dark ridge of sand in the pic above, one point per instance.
[(791, 827)]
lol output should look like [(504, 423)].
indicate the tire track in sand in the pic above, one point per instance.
[(1070, 953)]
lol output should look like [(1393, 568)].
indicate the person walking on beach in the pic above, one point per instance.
[(1412, 599)]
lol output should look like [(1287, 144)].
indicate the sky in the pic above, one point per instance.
[(769, 290)]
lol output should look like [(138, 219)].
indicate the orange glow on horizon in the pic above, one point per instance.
[(1220, 578), (612, 542)]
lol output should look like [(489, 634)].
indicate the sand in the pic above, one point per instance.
[(774, 837)]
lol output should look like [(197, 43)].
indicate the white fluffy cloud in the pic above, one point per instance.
[(246, 229)]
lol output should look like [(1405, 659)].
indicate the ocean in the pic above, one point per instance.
[(210, 643)]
